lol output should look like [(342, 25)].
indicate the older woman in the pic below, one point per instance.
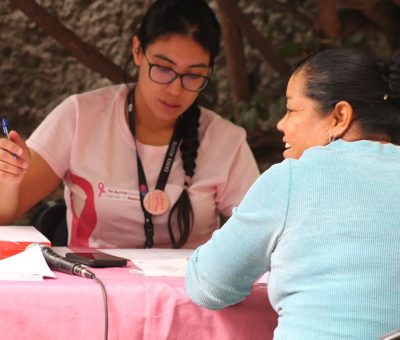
[(325, 222)]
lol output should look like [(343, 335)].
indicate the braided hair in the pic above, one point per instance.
[(195, 19), (182, 208)]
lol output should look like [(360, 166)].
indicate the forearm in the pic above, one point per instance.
[(222, 271), (15, 160), (9, 202), (18, 195)]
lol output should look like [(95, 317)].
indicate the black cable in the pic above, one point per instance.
[(103, 289), (63, 264)]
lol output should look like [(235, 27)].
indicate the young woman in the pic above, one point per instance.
[(324, 222), (142, 164)]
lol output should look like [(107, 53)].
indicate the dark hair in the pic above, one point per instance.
[(182, 208), (369, 84), (192, 18)]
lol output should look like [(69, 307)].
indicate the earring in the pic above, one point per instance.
[(331, 137)]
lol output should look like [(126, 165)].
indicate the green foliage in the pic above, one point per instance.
[(261, 112), (248, 115), (290, 49), (356, 39), (207, 98)]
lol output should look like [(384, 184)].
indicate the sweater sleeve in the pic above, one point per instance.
[(222, 271)]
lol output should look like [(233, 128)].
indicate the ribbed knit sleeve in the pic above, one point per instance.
[(222, 271), (327, 227)]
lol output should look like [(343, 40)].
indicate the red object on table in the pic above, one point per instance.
[(14, 239)]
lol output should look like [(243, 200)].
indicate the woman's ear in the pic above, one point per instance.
[(343, 116), (136, 50)]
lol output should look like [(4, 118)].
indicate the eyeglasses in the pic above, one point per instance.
[(164, 75)]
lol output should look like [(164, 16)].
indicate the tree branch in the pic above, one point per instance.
[(262, 44), (385, 14), (295, 13), (328, 20), (79, 49), (235, 58)]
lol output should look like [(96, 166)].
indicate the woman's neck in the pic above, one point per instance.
[(355, 133), (148, 128)]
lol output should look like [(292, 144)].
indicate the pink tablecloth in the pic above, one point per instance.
[(150, 308)]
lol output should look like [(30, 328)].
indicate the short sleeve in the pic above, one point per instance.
[(53, 138), (241, 172), (226, 161)]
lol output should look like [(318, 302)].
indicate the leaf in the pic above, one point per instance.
[(355, 39), (208, 97), (263, 113), (290, 49), (249, 119)]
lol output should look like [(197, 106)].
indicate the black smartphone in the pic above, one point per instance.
[(97, 259)]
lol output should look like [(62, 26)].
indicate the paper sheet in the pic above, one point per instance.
[(22, 234), (156, 262), (28, 265), (161, 267)]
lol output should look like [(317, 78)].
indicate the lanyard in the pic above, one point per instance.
[(153, 202)]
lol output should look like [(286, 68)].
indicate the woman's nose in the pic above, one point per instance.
[(175, 87), (280, 124)]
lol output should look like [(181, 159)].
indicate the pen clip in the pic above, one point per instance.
[(5, 127), (5, 130)]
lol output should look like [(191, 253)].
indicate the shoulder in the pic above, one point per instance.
[(101, 95), (316, 165), (271, 188), (92, 104), (87, 106), (315, 158), (212, 125), (278, 172)]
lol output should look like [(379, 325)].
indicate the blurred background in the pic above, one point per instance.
[(50, 49)]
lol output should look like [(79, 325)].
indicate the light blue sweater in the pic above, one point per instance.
[(328, 228)]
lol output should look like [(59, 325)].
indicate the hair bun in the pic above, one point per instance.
[(393, 75), (384, 70)]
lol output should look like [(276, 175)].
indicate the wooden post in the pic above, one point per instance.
[(262, 44), (235, 58), (328, 21)]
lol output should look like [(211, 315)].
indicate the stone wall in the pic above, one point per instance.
[(36, 72)]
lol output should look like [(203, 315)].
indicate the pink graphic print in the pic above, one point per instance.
[(82, 226), (101, 188)]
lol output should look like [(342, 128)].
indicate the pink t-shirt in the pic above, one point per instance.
[(87, 142)]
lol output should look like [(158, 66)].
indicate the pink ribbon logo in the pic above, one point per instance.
[(101, 187)]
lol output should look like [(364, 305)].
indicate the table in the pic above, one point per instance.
[(150, 308)]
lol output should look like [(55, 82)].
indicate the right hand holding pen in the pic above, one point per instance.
[(15, 158)]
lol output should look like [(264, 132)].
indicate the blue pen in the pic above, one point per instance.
[(5, 130)]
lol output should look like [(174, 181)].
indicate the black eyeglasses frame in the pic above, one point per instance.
[(177, 75)]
